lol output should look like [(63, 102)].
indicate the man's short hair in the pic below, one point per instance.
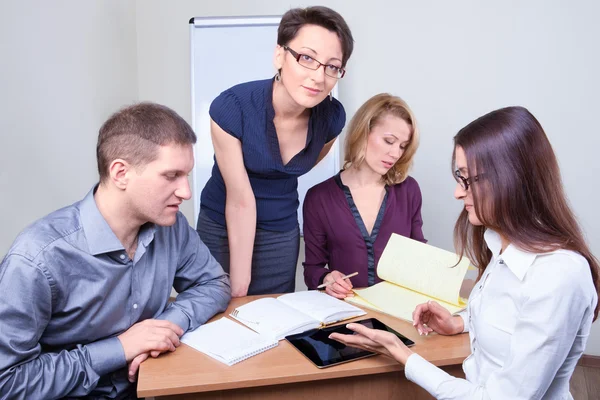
[(135, 133)]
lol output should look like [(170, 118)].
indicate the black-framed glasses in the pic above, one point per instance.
[(465, 182), (308, 62)]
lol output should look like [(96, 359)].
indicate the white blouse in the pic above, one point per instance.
[(528, 318)]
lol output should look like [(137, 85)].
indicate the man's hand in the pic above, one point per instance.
[(151, 335), (135, 365)]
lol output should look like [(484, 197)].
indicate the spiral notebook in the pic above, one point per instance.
[(227, 341)]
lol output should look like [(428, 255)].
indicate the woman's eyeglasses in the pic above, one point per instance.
[(308, 62), (465, 182)]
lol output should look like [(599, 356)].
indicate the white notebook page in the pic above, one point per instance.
[(227, 341)]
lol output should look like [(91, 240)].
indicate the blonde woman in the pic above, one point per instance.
[(349, 218)]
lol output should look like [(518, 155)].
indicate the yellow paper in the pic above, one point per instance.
[(359, 301), (414, 273), (394, 300)]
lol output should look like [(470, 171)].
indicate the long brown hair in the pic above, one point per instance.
[(367, 116), (519, 192)]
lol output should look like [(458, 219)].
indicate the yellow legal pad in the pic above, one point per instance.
[(414, 273)]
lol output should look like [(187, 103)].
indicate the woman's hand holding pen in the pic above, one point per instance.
[(337, 286), (432, 317)]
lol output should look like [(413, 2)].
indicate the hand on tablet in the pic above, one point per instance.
[(374, 340), (341, 288), (432, 317)]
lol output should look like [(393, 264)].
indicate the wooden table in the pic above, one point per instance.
[(284, 373)]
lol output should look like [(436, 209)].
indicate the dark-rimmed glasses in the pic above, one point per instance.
[(465, 182), (308, 62)]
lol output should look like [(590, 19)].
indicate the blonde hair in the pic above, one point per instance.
[(367, 116)]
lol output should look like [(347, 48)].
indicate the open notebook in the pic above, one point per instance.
[(293, 313), (227, 341), (414, 273)]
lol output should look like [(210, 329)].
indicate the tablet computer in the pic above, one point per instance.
[(324, 352)]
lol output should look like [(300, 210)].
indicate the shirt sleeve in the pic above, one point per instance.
[(337, 120), (546, 328), (202, 285), (226, 111), (315, 240), (416, 230), (26, 371), (465, 315)]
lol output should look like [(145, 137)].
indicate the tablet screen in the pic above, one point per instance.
[(324, 352)]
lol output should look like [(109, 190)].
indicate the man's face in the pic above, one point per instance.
[(156, 190)]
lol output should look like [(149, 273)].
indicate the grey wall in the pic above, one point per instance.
[(452, 62), (67, 65)]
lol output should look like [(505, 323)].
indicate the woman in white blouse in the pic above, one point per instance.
[(530, 313)]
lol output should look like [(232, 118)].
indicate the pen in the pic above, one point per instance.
[(324, 285)]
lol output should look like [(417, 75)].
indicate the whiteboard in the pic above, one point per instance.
[(224, 52)]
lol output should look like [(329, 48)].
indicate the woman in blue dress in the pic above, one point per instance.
[(265, 135)]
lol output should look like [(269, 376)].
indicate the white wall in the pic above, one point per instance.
[(452, 62), (65, 66)]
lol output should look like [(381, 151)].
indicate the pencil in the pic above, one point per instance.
[(324, 285)]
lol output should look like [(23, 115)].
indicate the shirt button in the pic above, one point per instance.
[(135, 306), (122, 256)]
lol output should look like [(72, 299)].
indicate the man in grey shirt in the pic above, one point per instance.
[(84, 291)]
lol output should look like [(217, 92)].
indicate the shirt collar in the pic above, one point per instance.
[(338, 180), (518, 261), (269, 99), (100, 237)]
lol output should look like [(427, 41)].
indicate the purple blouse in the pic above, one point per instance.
[(335, 237)]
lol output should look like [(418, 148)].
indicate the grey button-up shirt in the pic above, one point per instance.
[(68, 288)]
